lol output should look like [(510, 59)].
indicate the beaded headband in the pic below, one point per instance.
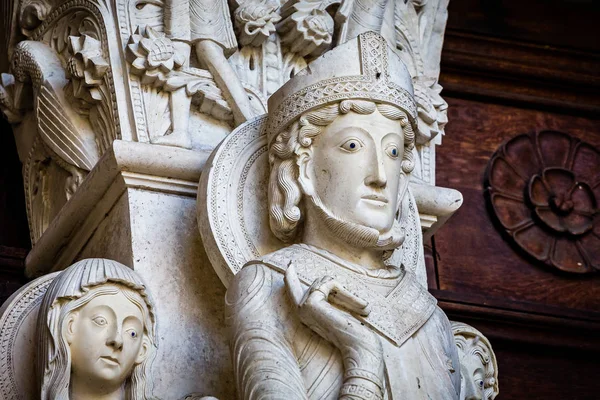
[(364, 68)]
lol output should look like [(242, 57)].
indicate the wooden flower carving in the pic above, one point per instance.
[(544, 189)]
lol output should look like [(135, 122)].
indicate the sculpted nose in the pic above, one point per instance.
[(377, 176), (472, 392), (115, 340)]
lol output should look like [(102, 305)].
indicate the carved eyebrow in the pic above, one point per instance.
[(349, 129), (400, 137), (102, 308), (133, 318)]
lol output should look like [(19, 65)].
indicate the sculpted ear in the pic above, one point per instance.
[(144, 351), (69, 329), (304, 172)]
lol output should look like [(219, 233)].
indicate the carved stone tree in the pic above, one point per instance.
[(116, 106)]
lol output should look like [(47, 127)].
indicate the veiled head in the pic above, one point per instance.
[(96, 325)]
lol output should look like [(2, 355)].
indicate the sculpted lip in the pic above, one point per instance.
[(110, 360), (375, 197)]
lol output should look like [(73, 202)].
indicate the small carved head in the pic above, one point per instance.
[(96, 327), (350, 158), (478, 367)]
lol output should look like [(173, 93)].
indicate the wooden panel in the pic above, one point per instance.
[(563, 23), (472, 256), (520, 73), (539, 373)]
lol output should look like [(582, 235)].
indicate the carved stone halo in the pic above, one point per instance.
[(233, 208), (544, 189), (18, 342)]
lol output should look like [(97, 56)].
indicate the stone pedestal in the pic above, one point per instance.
[(138, 207)]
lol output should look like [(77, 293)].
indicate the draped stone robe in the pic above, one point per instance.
[(193, 20), (277, 357)]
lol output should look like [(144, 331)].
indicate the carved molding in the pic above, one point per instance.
[(544, 189)]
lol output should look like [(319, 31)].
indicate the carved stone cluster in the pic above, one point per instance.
[(255, 22), (87, 67), (306, 29), (544, 189), (97, 76), (152, 56)]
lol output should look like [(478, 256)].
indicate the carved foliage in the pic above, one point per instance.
[(154, 58), (307, 28), (255, 22), (419, 37), (78, 31), (544, 189)]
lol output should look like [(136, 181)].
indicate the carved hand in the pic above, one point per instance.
[(361, 349)]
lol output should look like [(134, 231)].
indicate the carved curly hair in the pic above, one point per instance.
[(284, 192)]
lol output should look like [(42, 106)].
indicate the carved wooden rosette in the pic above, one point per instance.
[(544, 190)]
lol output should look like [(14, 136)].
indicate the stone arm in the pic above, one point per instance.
[(265, 365)]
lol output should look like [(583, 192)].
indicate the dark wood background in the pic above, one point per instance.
[(508, 67), (512, 67)]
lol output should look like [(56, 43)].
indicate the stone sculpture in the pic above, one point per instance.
[(98, 89), (326, 318), (207, 25), (96, 334), (478, 367)]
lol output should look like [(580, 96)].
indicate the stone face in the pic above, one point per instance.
[(478, 365), (116, 110), (94, 335)]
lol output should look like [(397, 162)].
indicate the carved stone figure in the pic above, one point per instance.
[(326, 317), (478, 367), (96, 334), (207, 25)]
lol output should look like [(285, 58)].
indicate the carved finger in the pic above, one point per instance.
[(330, 290), (320, 285), (342, 297), (293, 285)]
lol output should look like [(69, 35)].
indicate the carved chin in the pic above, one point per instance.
[(356, 234)]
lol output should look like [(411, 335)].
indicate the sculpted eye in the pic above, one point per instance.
[(132, 333), (100, 321), (352, 145), (392, 151), (480, 383)]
